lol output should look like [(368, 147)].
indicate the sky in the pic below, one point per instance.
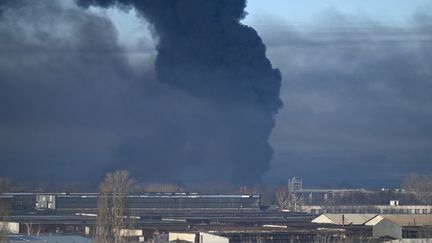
[(369, 131), (81, 94), (307, 12)]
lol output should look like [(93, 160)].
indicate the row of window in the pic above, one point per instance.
[(374, 210), (79, 202)]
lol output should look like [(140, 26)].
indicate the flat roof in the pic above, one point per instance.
[(146, 194), (164, 195), (48, 239)]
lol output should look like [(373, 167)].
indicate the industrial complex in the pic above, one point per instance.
[(193, 217)]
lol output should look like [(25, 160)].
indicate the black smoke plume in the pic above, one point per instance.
[(204, 50), (73, 103)]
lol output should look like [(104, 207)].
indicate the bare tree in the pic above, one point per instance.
[(286, 199), (112, 218), (4, 212), (29, 227), (282, 196), (5, 184), (421, 186), (4, 223)]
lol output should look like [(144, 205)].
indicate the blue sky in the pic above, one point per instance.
[(314, 95), (306, 11), (302, 14)]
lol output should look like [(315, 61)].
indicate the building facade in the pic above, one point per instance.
[(152, 201)]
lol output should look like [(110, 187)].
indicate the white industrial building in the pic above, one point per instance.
[(410, 241), (394, 208), (396, 226), (200, 237), (385, 228), (400, 226)]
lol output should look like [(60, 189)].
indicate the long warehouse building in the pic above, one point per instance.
[(87, 202)]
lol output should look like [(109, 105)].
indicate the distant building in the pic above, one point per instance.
[(295, 185), (422, 240), (87, 202), (19, 201), (318, 195), (369, 209)]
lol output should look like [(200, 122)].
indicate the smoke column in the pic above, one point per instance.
[(206, 52)]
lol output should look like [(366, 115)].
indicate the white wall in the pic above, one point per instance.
[(181, 236), (11, 227), (387, 228), (210, 238)]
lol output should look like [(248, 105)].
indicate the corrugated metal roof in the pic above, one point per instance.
[(147, 194), (404, 219), (163, 195), (49, 239), (374, 220), (345, 219)]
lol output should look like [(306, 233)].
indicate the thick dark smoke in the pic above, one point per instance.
[(77, 100), (205, 51), (72, 106)]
